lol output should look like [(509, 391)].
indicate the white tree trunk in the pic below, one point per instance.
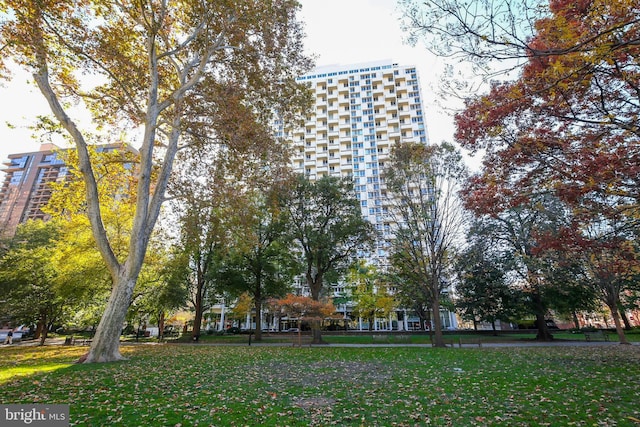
[(105, 346)]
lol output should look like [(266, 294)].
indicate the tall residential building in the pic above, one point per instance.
[(360, 112), (26, 188)]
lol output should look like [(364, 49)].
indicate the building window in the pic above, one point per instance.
[(16, 177)]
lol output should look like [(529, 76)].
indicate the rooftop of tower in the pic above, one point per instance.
[(325, 71)]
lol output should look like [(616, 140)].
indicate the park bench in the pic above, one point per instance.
[(598, 335), (391, 338), (379, 338), (469, 341), (77, 341), (301, 340), (448, 342), (402, 339)]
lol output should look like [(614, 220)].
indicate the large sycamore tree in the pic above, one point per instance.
[(153, 63)]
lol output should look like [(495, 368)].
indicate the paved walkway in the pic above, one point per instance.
[(558, 343)]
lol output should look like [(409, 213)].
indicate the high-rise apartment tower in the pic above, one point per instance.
[(360, 112), (26, 188)]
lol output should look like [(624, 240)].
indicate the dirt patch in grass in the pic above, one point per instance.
[(323, 372), (314, 402)]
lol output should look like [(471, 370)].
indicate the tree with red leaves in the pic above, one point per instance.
[(568, 125), (570, 122), (301, 308)]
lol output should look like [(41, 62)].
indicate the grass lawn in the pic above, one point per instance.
[(367, 338), (189, 385)]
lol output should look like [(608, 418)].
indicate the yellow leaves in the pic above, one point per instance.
[(243, 305)]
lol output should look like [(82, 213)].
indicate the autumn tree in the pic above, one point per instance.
[(578, 42), (154, 64), (76, 253), (77, 276), (301, 308), (241, 308), (423, 183), (611, 266), (230, 225), (568, 121), (326, 223), (370, 293)]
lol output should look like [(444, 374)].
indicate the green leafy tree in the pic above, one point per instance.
[(31, 285), (483, 292), (230, 228), (571, 292), (156, 64), (200, 251), (261, 263), (519, 233), (159, 292), (170, 294), (328, 228)]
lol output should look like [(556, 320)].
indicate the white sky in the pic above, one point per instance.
[(338, 32)]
